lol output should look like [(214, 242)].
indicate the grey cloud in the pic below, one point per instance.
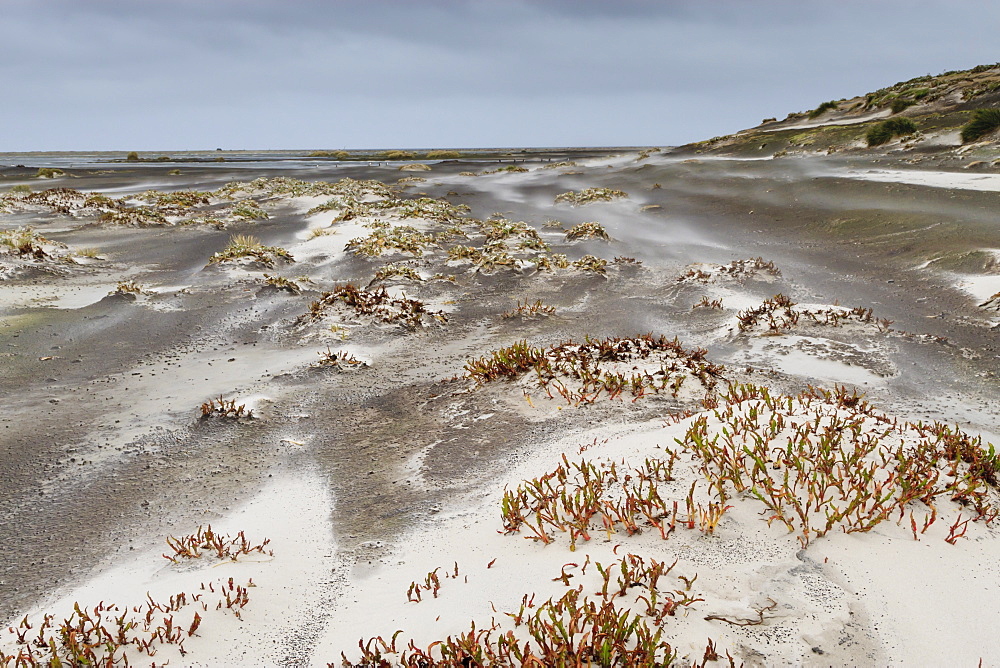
[(272, 73)]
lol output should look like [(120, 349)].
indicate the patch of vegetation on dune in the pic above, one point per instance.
[(821, 109), (885, 131), (984, 122), (247, 246), (376, 304), (587, 231), (351, 207), (180, 199), (398, 155), (337, 155), (26, 242), (509, 169), (138, 216), (386, 238), (443, 155), (589, 196), (581, 372)]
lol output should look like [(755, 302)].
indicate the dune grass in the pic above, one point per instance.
[(984, 121), (245, 245), (886, 130), (824, 107)]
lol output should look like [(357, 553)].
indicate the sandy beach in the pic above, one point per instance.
[(743, 408)]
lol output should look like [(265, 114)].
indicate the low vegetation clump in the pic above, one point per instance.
[(282, 283), (828, 460), (779, 314), (509, 169), (58, 200), (901, 104), (248, 210), (247, 246), (621, 624), (528, 309), (111, 634), (221, 545), (591, 263), (49, 172), (25, 241), (590, 195), (984, 121), (443, 155), (386, 238), (887, 130), (992, 303), (341, 360), (377, 304), (550, 261), (225, 408), (599, 496), (580, 373), (396, 270), (437, 210), (559, 165), (265, 188), (498, 229), (108, 634), (587, 231), (737, 269), (128, 288), (399, 155), (821, 109), (178, 199), (705, 303), (336, 155), (139, 216)]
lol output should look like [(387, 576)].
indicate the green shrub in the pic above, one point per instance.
[(984, 121), (49, 172), (398, 155), (21, 188), (132, 157), (443, 155), (886, 130), (821, 108), (899, 104)]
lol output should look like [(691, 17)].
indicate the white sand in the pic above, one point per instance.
[(954, 180), (860, 599), (818, 124), (293, 512)]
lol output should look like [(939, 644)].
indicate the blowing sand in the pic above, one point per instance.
[(380, 487)]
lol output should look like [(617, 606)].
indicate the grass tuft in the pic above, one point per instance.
[(886, 130), (245, 245), (826, 106), (984, 121)]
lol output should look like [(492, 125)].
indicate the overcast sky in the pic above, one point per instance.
[(178, 74)]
